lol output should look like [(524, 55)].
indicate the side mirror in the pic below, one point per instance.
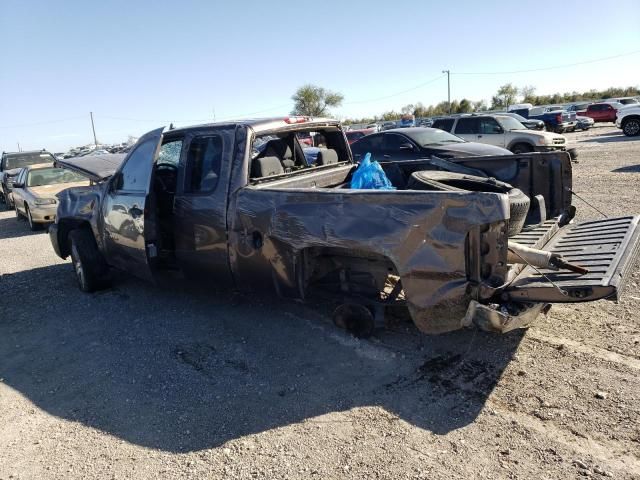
[(406, 147), (498, 130)]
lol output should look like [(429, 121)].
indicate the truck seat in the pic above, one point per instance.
[(266, 166), (327, 157)]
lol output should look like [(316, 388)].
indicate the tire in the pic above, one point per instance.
[(32, 225), (631, 127), (92, 271), (18, 214), (521, 148), (519, 203)]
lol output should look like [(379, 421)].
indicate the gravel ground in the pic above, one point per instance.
[(148, 382)]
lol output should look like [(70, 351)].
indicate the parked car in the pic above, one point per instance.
[(628, 119), (305, 138), (583, 122), (502, 131), (579, 108), (407, 121), (558, 121), (35, 188), (530, 123), (603, 112), (11, 164), (200, 200), (388, 125), (622, 100), (402, 144)]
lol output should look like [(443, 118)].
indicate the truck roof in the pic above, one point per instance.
[(266, 124)]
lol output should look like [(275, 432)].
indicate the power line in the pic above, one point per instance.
[(47, 122), (398, 93), (567, 65)]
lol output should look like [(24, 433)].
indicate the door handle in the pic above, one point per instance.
[(135, 211), (479, 136)]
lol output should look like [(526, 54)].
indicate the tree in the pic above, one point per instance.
[(408, 109), (506, 96), (464, 106), (315, 101), (528, 93), (480, 106)]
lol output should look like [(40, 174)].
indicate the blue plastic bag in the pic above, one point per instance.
[(369, 175)]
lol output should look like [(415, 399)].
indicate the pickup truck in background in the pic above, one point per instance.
[(628, 119), (237, 204), (603, 112), (558, 121)]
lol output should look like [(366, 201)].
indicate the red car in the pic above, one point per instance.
[(603, 112), (353, 135)]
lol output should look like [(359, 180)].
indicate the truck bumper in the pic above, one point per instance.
[(550, 148), (53, 236)]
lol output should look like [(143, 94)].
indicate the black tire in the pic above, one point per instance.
[(18, 214), (631, 127), (521, 148), (519, 203), (92, 271), (32, 225)]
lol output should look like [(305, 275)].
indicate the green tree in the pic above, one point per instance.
[(315, 101), (505, 96), (464, 106), (480, 106), (528, 93)]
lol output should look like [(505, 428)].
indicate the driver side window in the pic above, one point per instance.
[(489, 126)]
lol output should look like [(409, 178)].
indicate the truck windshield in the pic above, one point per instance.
[(509, 123), (19, 160), (52, 176)]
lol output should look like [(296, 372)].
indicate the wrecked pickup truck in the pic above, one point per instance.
[(478, 240)]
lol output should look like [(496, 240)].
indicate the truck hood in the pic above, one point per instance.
[(469, 149), (50, 191), (548, 136), (95, 167)]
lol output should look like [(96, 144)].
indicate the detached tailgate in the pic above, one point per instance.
[(608, 248)]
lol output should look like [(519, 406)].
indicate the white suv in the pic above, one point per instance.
[(502, 131), (628, 119)]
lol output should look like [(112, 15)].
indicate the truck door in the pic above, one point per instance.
[(468, 128), (128, 221), (200, 206)]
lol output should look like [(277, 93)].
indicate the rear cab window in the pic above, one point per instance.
[(286, 152)]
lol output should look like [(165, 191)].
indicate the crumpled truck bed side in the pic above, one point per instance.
[(425, 236)]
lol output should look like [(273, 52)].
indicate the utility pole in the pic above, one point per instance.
[(95, 140), (19, 146), (448, 72)]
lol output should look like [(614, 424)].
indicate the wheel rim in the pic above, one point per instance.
[(632, 127), (77, 265)]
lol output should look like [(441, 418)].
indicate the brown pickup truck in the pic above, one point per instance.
[(460, 241)]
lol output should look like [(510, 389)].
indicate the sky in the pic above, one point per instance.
[(138, 65)]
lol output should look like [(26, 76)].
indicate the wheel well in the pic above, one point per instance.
[(526, 142), (345, 272), (64, 229), (630, 117)]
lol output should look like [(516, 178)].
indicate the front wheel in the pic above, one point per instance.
[(92, 271), (631, 127), (521, 148), (32, 225)]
